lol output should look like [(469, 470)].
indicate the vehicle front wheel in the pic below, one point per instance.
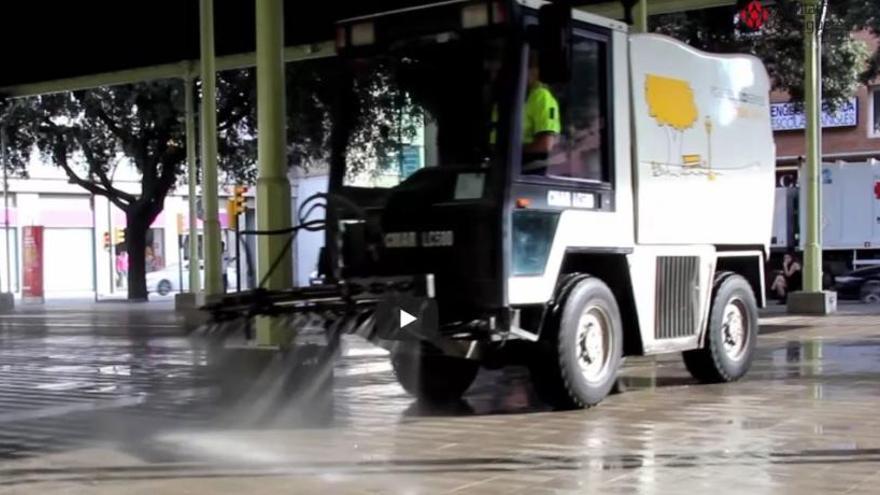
[(732, 334), (425, 373), (578, 362)]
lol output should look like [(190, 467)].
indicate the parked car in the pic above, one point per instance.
[(860, 284), (167, 280), (315, 278)]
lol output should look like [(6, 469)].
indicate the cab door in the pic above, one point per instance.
[(567, 199)]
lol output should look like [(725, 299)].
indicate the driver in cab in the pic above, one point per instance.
[(541, 125), (541, 122)]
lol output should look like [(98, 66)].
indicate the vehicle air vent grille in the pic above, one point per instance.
[(677, 302)]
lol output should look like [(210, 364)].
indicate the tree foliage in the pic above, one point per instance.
[(16, 118), (846, 61), (379, 117)]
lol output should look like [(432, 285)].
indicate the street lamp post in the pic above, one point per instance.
[(8, 300)]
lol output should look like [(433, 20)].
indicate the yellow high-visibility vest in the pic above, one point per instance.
[(541, 114)]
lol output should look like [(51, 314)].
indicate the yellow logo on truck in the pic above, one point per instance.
[(671, 101)]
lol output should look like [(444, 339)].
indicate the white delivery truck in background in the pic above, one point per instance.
[(850, 206), (850, 218), (644, 230)]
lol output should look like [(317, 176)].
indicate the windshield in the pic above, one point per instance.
[(424, 103)]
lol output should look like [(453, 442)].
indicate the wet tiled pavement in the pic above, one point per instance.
[(118, 400)]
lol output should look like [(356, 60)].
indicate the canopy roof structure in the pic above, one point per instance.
[(51, 46), (51, 41), (70, 43)]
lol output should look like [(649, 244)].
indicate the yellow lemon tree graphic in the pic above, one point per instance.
[(671, 103)]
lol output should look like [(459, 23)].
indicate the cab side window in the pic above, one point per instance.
[(582, 149)]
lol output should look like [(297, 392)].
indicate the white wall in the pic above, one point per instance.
[(68, 261), (15, 283), (308, 244)]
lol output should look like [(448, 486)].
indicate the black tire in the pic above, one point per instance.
[(164, 288), (870, 292), (557, 374), (713, 363), (428, 375)]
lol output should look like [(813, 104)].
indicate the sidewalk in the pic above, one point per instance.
[(90, 305)]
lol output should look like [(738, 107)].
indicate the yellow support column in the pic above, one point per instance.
[(210, 199), (195, 279), (273, 186), (640, 17)]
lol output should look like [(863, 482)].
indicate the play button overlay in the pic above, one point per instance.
[(406, 318)]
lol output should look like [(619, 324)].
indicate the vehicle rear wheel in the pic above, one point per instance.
[(578, 362), (732, 334), (164, 288), (425, 373), (870, 292)]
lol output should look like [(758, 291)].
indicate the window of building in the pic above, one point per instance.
[(874, 112), (581, 146)]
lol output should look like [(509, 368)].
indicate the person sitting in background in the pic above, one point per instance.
[(789, 279)]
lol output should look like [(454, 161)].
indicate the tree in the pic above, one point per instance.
[(142, 122), (779, 43), (85, 133)]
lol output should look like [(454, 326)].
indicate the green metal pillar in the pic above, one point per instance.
[(195, 282), (812, 103), (273, 186), (640, 16), (210, 202)]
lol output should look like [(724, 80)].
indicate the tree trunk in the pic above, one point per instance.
[(136, 245)]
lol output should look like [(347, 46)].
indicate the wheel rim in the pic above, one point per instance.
[(871, 295), (593, 349), (735, 329)]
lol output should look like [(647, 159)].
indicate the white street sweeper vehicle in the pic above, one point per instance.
[(575, 194)]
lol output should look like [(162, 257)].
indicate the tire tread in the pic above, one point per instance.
[(705, 364), (553, 380)]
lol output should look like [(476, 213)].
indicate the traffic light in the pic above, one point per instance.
[(120, 236), (236, 206), (106, 240), (751, 15), (240, 200)]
